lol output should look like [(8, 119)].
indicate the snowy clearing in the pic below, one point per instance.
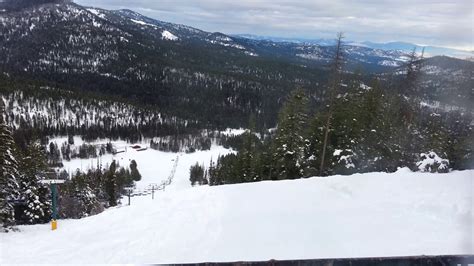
[(166, 35), (143, 23), (154, 166), (362, 215)]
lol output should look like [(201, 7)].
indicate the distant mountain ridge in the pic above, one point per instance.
[(429, 50), (389, 46)]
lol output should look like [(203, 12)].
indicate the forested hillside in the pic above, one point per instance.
[(38, 110), (181, 70)]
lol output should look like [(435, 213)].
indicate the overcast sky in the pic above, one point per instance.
[(429, 22)]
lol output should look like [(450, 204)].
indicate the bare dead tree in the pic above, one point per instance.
[(413, 69), (336, 72), (410, 88)]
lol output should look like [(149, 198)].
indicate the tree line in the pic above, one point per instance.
[(24, 199), (359, 128)]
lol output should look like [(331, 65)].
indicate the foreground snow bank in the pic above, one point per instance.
[(362, 215)]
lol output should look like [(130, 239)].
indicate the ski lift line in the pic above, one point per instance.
[(154, 186)]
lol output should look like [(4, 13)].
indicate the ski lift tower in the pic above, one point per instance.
[(54, 199)]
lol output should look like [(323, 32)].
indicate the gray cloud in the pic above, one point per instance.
[(432, 22)]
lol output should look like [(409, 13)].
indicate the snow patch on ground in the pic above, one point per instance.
[(96, 24), (166, 35), (233, 131), (251, 53), (389, 63), (364, 87), (226, 44), (96, 12), (142, 23)]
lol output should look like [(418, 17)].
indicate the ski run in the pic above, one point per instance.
[(361, 215)]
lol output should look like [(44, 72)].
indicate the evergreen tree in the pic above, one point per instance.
[(123, 179), (247, 158), (70, 139), (365, 131), (37, 196), (135, 174), (196, 174), (288, 148), (227, 170), (435, 135), (54, 155), (9, 189), (372, 148), (110, 184), (462, 152), (461, 140), (214, 177), (397, 144), (77, 199), (347, 130)]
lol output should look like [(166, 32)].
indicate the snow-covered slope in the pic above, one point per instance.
[(64, 111), (362, 215), (169, 36)]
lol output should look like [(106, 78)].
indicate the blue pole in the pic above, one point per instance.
[(54, 200)]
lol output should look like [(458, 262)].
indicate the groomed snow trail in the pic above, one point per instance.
[(362, 215)]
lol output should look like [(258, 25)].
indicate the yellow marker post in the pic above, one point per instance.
[(54, 225)]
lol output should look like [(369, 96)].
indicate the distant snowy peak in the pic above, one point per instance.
[(169, 36), (429, 51)]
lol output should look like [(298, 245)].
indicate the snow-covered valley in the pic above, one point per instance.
[(361, 215), (155, 166)]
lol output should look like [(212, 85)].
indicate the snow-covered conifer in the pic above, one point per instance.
[(289, 142), (8, 176), (38, 204)]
